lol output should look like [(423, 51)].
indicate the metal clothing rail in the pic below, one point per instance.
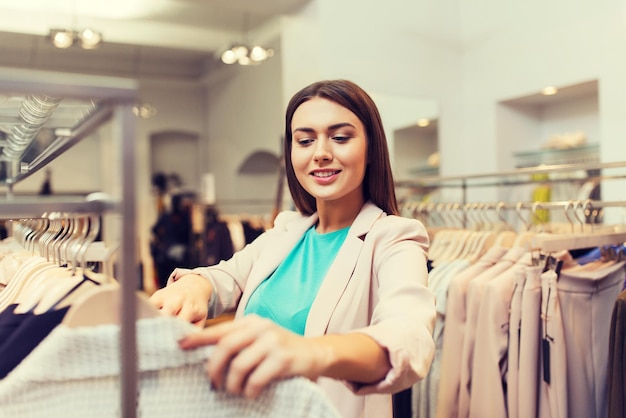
[(114, 98), (511, 177), (571, 208)]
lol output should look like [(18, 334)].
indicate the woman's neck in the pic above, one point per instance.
[(335, 215)]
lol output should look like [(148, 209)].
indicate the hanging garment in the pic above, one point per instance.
[(515, 325), (586, 299), (489, 362), (529, 343), (455, 330), (616, 381), (474, 299), (74, 373), (28, 330), (20, 333), (424, 393)]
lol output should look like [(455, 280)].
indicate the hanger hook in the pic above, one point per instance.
[(579, 210), (535, 213), (569, 205), (518, 212), (499, 206)]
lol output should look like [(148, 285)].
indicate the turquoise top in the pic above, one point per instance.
[(287, 295)]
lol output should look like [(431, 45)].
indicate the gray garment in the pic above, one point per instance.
[(585, 300)]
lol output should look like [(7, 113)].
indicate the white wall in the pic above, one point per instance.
[(244, 114), (543, 43)]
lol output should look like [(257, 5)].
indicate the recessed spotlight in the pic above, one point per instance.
[(549, 91)]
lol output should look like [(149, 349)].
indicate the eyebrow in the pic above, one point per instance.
[(331, 127)]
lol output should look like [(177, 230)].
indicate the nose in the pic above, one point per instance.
[(322, 150)]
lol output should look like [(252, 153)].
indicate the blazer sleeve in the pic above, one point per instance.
[(229, 277), (404, 312)]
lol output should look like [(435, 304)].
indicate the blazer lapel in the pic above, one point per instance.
[(277, 251), (340, 271)]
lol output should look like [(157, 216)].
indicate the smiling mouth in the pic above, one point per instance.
[(323, 174)]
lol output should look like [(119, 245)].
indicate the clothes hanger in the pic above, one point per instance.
[(473, 242), (574, 241), (507, 236), (524, 238), (61, 286), (454, 238), (487, 237), (102, 305)]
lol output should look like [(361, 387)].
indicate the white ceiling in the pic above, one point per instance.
[(163, 38)]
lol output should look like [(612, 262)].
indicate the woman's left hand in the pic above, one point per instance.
[(251, 352)]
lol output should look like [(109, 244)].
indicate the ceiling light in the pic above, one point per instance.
[(423, 122), (62, 38), (244, 55), (90, 39), (549, 91), (144, 110), (65, 38)]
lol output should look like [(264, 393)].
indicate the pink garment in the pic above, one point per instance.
[(474, 300), (490, 361), (454, 333), (530, 342), (515, 324)]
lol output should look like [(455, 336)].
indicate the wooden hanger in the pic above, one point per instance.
[(102, 306)]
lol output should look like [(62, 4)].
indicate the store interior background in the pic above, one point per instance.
[(475, 67)]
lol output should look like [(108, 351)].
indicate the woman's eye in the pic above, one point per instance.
[(341, 138), (304, 141)]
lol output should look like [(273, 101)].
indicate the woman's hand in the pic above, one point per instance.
[(186, 296), (251, 352)]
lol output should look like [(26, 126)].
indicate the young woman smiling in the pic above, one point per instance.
[(337, 290)]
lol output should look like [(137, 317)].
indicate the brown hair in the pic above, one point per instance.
[(378, 183)]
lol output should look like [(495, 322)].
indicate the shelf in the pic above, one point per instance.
[(425, 171), (506, 177), (579, 155)]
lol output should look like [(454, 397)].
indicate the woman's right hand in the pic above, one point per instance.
[(186, 296)]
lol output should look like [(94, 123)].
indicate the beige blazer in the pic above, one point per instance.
[(376, 285)]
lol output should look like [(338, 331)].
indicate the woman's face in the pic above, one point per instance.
[(329, 150)]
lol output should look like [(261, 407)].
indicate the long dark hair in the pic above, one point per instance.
[(378, 183)]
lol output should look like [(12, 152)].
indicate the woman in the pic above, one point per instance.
[(337, 291)]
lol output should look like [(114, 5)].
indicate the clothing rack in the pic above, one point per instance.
[(514, 177), (107, 99), (540, 248), (581, 216)]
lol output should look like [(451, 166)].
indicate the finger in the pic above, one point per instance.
[(156, 300), (226, 348), (210, 335), (271, 369), (241, 366)]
